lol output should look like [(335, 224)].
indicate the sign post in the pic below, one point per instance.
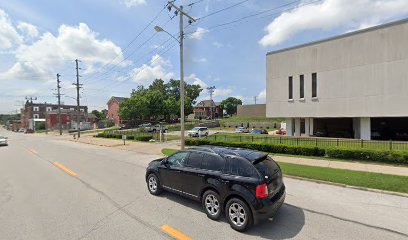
[(124, 139)]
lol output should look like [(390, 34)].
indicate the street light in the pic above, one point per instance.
[(159, 29)]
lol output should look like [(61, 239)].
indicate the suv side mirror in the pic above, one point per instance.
[(164, 161)]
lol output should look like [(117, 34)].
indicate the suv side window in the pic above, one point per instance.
[(194, 160), (177, 159), (211, 162), (241, 167)]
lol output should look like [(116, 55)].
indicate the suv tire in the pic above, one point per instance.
[(238, 215), (153, 184), (212, 204)]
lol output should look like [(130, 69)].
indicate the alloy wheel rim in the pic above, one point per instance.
[(211, 204), (152, 184), (237, 214)]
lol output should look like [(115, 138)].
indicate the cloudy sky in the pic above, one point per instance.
[(119, 49)]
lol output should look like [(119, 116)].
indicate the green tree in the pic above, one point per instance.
[(100, 115), (230, 105)]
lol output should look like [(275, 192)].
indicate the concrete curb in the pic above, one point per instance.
[(348, 186)]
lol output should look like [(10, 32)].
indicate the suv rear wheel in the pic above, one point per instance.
[(153, 184), (211, 205), (238, 215)]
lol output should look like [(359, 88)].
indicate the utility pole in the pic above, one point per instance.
[(211, 91), (182, 93), (78, 86), (255, 99), (59, 103)]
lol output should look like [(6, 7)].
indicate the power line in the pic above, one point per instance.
[(135, 38), (223, 9)]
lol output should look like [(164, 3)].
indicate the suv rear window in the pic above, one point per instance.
[(212, 162), (267, 167), (241, 167)]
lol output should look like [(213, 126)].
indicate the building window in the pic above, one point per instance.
[(36, 116), (302, 86), (49, 109), (290, 88), (81, 109), (314, 85), (36, 109)]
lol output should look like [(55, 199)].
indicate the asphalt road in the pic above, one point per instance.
[(101, 194)]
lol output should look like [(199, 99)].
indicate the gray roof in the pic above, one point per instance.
[(206, 103), (119, 99), (402, 21)]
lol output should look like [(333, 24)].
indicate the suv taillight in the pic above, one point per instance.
[(262, 191)]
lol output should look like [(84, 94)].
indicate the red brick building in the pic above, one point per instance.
[(113, 109), (208, 109), (67, 117)]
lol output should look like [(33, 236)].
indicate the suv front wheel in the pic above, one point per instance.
[(211, 205), (153, 184), (238, 215)]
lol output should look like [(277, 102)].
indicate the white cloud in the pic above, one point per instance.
[(199, 33), (262, 95), (156, 69), (331, 14), (218, 44), (8, 34), (29, 30), (200, 60), (44, 56), (193, 79), (222, 92), (134, 3)]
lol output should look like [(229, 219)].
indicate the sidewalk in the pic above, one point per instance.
[(156, 148)]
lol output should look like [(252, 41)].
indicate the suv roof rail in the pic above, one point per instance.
[(203, 148)]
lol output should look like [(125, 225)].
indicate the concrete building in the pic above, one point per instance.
[(251, 110), (354, 85)]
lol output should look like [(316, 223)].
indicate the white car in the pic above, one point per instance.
[(242, 130), (3, 141), (198, 132)]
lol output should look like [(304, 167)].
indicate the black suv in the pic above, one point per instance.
[(246, 184)]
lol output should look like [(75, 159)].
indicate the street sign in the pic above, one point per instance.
[(123, 137)]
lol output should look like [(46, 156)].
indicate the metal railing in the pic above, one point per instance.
[(312, 141)]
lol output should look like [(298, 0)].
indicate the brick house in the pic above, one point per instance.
[(208, 109), (33, 112), (67, 119), (113, 109)]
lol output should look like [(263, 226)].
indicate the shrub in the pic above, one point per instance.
[(265, 147), (369, 155), (143, 138)]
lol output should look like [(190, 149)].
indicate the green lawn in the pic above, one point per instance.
[(168, 151), (304, 141), (353, 178)]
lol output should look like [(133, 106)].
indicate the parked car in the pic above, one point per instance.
[(321, 133), (280, 131), (259, 131), (21, 130), (3, 141), (241, 130), (245, 184), (198, 132), (155, 128)]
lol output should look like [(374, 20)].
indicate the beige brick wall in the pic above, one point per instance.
[(253, 110)]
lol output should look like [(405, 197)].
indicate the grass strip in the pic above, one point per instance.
[(168, 151), (349, 177)]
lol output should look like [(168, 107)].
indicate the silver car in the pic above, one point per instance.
[(3, 141)]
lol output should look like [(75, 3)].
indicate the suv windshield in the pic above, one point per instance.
[(195, 129)]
